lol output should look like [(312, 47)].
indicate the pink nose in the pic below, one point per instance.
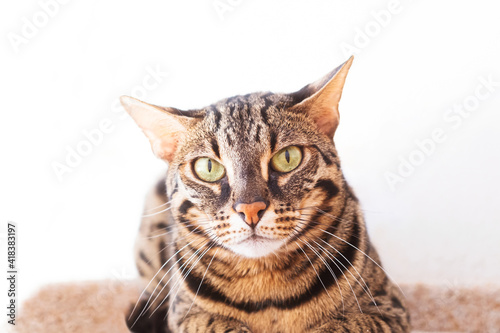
[(251, 211)]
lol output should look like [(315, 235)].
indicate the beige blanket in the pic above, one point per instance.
[(100, 306)]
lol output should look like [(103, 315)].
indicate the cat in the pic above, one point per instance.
[(254, 228)]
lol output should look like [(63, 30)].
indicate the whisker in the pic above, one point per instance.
[(154, 208), (153, 214), (174, 228), (333, 217), (207, 241), (182, 279), (321, 281), (322, 224), (147, 286), (367, 290), (379, 266), (170, 229), (202, 279), (331, 256), (170, 243), (146, 308), (366, 255), (142, 294)]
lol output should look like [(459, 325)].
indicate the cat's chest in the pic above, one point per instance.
[(267, 304), (275, 320)]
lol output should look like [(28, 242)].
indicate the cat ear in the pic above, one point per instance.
[(164, 127), (320, 100)]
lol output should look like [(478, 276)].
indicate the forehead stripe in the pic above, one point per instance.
[(217, 117), (263, 110), (215, 147), (273, 140)]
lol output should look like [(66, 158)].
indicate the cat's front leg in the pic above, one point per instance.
[(364, 323), (206, 322)]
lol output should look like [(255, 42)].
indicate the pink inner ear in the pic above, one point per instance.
[(163, 143), (323, 110), (327, 124), (166, 146)]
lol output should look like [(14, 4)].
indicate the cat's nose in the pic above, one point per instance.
[(252, 212)]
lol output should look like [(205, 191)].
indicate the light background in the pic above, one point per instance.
[(440, 225)]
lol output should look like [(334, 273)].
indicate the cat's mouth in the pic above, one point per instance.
[(255, 238), (256, 246)]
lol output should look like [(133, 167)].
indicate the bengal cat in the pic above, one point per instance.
[(255, 228)]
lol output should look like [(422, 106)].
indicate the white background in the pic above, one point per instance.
[(439, 225)]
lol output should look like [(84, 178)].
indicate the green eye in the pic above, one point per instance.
[(286, 159), (208, 169)]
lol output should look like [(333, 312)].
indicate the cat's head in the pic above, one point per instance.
[(251, 172)]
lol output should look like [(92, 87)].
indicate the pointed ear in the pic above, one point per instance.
[(320, 100), (164, 127)]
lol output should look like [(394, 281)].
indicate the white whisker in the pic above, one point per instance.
[(366, 255), (155, 208), (329, 255), (150, 303), (367, 290), (153, 214), (147, 286), (179, 281), (202, 279), (321, 281)]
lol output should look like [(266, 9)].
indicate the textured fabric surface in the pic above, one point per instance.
[(454, 309), (100, 306), (86, 307)]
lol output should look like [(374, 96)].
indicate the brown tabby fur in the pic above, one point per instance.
[(326, 277)]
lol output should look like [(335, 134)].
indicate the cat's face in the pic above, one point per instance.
[(250, 172)]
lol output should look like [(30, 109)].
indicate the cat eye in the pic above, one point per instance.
[(286, 159), (208, 169)]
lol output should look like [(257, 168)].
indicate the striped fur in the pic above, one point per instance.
[(320, 274)]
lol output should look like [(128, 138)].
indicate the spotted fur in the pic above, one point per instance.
[(313, 268)]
